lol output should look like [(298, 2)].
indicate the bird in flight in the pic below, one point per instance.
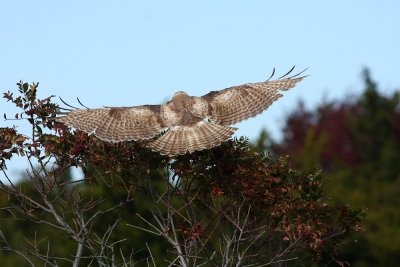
[(186, 123)]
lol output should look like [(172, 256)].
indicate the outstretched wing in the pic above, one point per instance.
[(241, 102), (117, 124)]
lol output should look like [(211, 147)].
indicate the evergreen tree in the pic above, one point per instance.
[(357, 144)]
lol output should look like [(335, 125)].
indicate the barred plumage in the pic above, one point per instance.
[(191, 123)]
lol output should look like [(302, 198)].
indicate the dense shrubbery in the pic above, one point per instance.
[(227, 206), (356, 142)]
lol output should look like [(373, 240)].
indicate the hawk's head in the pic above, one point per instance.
[(181, 99), (179, 94)]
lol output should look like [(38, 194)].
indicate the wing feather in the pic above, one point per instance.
[(117, 124), (238, 103)]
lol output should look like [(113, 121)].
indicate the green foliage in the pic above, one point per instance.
[(357, 144)]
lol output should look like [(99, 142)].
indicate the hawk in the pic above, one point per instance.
[(186, 123)]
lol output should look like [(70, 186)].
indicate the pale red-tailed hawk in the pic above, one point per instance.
[(184, 124)]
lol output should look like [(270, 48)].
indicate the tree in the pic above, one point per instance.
[(227, 206), (356, 142)]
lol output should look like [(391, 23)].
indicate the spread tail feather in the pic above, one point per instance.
[(182, 139)]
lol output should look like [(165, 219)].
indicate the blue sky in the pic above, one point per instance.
[(124, 53)]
